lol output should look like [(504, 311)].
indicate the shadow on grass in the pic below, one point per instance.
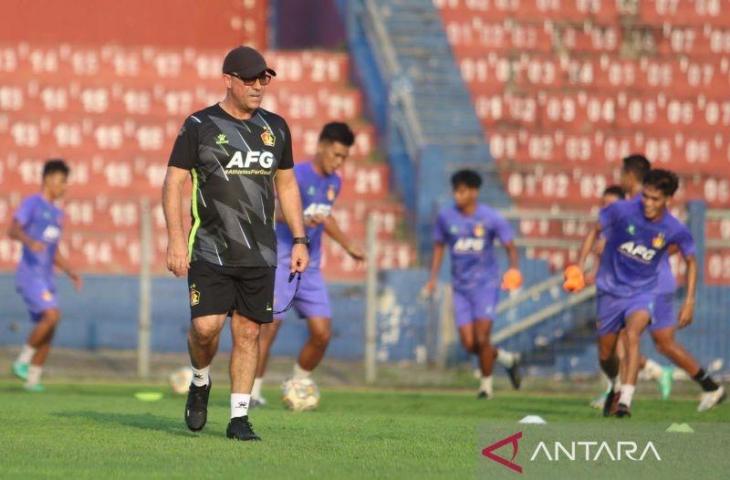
[(143, 421)]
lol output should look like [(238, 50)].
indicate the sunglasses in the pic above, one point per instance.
[(264, 79)]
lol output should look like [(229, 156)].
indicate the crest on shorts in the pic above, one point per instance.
[(268, 138), (47, 296), (194, 296), (658, 241), (331, 193), (479, 230)]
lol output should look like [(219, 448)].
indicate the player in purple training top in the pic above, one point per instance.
[(37, 225), (468, 229), (638, 238), (649, 369), (319, 185), (664, 321)]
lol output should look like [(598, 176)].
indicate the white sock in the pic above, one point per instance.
[(627, 394), (652, 369), (609, 383), (200, 376), (26, 354), (299, 372), (486, 385), (34, 375), (505, 358), (256, 390), (239, 404)]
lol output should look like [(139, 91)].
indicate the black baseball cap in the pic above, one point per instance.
[(246, 62)]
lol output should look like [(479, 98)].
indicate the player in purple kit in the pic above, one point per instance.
[(664, 321), (469, 228), (638, 238), (649, 369), (319, 186), (37, 224)]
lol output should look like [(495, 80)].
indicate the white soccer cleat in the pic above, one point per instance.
[(710, 399)]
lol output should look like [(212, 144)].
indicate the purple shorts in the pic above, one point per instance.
[(613, 311), (311, 300), (664, 314), (38, 296), (476, 304)]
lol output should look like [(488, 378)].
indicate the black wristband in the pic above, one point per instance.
[(301, 241)]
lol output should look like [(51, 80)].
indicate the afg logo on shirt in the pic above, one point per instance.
[(263, 159), (316, 209), (469, 245), (637, 252), (51, 233)]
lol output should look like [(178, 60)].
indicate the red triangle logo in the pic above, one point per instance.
[(513, 440)]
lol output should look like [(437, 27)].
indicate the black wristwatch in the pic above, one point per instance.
[(301, 241)]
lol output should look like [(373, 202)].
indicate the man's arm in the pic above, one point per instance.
[(512, 278), (588, 245), (335, 232), (436, 260), (178, 259), (16, 232), (687, 312), (62, 263), (290, 203), (513, 256)]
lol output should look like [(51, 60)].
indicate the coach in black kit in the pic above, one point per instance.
[(240, 158)]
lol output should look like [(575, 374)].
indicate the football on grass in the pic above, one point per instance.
[(300, 394)]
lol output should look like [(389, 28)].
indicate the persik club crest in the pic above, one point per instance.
[(194, 296), (478, 230), (331, 193), (658, 241), (268, 138)]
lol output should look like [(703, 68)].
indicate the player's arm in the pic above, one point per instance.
[(290, 203), (686, 314), (178, 260), (335, 232), (16, 232), (512, 278), (62, 263), (436, 260), (598, 251), (685, 244), (574, 274), (589, 245)]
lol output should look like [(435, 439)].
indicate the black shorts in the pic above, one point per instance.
[(218, 290)]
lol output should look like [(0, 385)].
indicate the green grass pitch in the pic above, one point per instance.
[(102, 431)]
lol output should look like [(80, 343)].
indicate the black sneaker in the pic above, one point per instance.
[(482, 395), (239, 428), (622, 411), (609, 405), (515, 376), (196, 408)]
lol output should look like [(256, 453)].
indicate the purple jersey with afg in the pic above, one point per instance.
[(666, 283), (470, 239), (636, 248), (318, 195), (41, 221)]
